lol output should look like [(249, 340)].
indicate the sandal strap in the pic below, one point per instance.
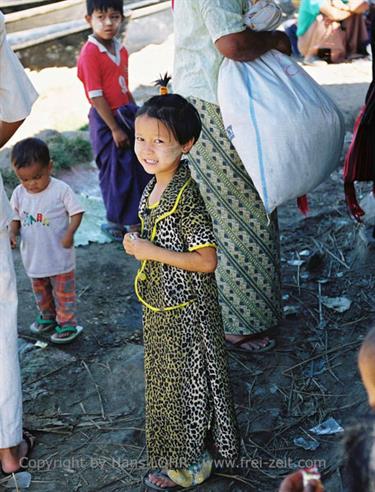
[(42, 321), (29, 439), (66, 329)]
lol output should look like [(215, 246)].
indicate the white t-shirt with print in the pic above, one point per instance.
[(44, 220)]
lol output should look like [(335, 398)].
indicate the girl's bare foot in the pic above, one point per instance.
[(161, 480), (249, 342)]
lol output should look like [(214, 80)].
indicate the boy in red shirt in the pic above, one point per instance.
[(103, 70)]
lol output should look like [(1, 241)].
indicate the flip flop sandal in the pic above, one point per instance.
[(236, 347), (74, 330), (41, 325), (153, 486), (132, 228), (30, 442), (18, 480), (113, 231)]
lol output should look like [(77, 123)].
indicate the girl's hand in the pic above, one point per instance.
[(128, 242), (141, 249)]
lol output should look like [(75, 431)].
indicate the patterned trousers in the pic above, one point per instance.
[(56, 298)]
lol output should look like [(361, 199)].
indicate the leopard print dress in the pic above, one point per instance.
[(189, 406)]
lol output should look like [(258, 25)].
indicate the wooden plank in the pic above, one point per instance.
[(67, 10)]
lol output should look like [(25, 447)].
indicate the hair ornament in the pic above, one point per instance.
[(162, 82)]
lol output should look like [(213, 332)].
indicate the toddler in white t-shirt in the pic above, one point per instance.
[(48, 214)]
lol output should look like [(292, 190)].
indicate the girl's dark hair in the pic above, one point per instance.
[(104, 5), (29, 151), (177, 114)]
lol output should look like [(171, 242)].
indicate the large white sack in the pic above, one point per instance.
[(286, 129)]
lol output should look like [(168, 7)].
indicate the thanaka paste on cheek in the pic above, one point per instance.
[(100, 24)]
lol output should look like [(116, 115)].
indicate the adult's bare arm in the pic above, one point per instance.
[(339, 11), (7, 130), (248, 45), (333, 13)]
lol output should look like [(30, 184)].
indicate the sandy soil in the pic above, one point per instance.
[(84, 402)]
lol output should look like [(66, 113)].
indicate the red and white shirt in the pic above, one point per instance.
[(104, 74)]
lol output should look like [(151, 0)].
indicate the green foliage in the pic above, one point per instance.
[(9, 178), (67, 152)]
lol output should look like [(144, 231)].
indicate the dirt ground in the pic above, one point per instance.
[(84, 402)]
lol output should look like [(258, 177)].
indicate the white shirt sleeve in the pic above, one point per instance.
[(17, 94), (71, 202)]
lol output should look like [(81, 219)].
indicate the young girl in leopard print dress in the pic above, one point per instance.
[(189, 406)]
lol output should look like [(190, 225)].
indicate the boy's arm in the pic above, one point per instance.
[(202, 260), (68, 239), (14, 229), (119, 136)]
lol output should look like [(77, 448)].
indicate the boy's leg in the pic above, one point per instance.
[(64, 292), (121, 178), (42, 289)]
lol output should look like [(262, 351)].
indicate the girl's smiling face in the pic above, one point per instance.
[(157, 148)]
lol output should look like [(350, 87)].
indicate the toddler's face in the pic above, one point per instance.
[(34, 178), (156, 147), (105, 24)]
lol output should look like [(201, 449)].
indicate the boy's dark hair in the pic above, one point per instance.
[(28, 151), (104, 5), (177, 114)]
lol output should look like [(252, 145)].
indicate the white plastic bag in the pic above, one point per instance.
[(285, 128)]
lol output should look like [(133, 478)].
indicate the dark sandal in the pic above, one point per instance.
[(132, 228), (74, 330), (113, 231), (30, 443), (42, 325)]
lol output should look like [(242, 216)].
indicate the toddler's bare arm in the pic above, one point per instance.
[(14, 230), (68, 239)]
